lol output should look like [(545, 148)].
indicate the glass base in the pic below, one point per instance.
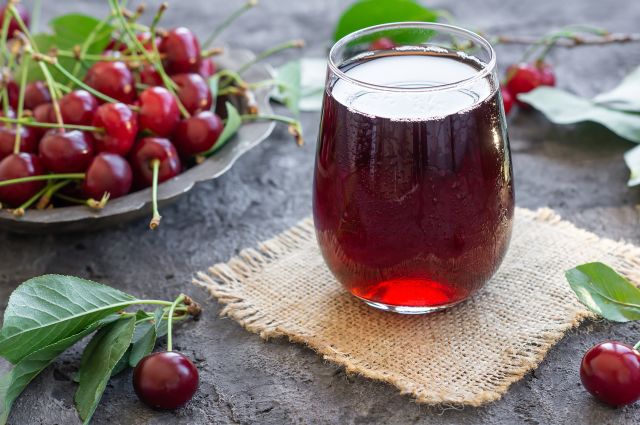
[(408, 310)]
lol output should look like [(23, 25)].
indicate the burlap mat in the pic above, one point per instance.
[(469, 354)]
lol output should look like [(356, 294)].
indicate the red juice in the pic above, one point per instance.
[(413, 195)]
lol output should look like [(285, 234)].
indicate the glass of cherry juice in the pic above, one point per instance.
[(413, 194)]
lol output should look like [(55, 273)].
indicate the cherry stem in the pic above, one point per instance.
[(228, 21), (74, 176), (170, 322), (23, 85), (91, 203), (5, 35), (35, 15), (155, 220), (270, 52), (82, 56), (229, 77), (50, 190), (30, 123), (20, 210), (295, 128), (85, 45)]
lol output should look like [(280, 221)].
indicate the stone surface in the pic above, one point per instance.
[(576, 170)]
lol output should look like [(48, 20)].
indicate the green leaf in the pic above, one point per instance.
[(161, 325), (74, 28), (367, 13), (562, 107), (605, 292), (234, 121), (144, 340), (632, 159), (213, 87), (15, 381), (49, 308), (288, 77), (99, 359), (625, 97)]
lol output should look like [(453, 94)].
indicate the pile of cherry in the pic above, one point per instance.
[(137, 133)]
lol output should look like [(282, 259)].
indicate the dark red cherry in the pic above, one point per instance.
[(120, 126), (13, 24), (18, 165), (110, 173), (43, 113), (13, 91), (383, 43), (507, 99), (150, 76), (158, 111), (113, 79), (610, 371), (78, 107), (547, 76), (182, 51), (197, 134), (28, 140), (207, 68), (193, 91), (35, 94), (148, 149), (66, 151), (165, 380), (145, 39)]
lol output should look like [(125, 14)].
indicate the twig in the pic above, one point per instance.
[(574, 41)]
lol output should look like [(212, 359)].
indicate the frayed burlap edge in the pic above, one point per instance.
[(224, 282)]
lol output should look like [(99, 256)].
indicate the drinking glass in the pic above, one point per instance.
[(413, 195)]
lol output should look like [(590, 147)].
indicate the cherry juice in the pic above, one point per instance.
[(413, 195)]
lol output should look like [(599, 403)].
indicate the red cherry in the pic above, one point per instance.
[(193, 92), (150, 76), (15, 166), (145, 39), (610, 371), (43, 113), (148, 149), (158, 111), (78, 107), (197, 134), (383, 43), (507, 99), (165, 380), (207, 68), (13, 91), (13, 24), (182, 51), (28, 140), (113, 79), (66, 151), (108, 173), (35, 94), (547, 76), (522, 78), (115, 47), (120, 126)]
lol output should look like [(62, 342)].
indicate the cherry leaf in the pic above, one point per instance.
[(625, 97)]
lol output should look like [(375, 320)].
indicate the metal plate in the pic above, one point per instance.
[(137, 204)]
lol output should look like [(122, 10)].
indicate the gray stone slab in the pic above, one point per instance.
[(576, 170)]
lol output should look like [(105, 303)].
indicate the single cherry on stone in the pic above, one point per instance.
[(181, 51), (148, 149), (193, 92), (28, 140), (35, 94), (78, 107), (19, 165), (120, 126), (610, 371), (66, 151), (158, 111), (112, 78), (197, 134), (165, 380), (108, 173)]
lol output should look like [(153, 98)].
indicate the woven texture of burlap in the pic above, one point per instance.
[(469, 354)]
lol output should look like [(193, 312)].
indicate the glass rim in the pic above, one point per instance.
[(487, 68)]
